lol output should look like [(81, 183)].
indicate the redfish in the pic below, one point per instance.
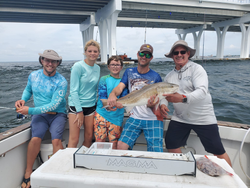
[(141, 97)]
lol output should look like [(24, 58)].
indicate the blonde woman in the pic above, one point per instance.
[(84, 79)]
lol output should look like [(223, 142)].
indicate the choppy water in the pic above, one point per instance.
[(229, 84)]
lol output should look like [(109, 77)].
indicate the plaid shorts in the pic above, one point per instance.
[(152, 129)]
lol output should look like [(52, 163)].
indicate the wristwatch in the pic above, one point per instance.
[(184, 100)]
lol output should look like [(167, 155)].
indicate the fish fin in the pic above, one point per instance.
[(157, 98), (157, 112)]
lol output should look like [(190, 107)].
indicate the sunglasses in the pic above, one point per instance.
[(177, 52), (148, 56), (50, 61)]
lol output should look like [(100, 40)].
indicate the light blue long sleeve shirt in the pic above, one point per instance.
[(83, 85), (48, 92)]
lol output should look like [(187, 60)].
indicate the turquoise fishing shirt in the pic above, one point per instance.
[(83, 85), (48, 92)]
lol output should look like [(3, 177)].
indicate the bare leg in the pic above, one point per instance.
[(177, 150), (226, 157), (57, 144), (122, 146), (74, 132), (88, 130), (32, 152)]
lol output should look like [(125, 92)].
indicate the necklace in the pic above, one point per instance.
[(180, 72)]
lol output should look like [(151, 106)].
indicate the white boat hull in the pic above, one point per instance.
[(13, 152)]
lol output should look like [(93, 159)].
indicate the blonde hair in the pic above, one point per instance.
[(92, 43)]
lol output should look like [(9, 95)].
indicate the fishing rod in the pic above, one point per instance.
[(2, 107), (203, 39), (145, 35), (19, 115)]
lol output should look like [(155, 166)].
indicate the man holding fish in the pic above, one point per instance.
[(142, 118), (193, 107)]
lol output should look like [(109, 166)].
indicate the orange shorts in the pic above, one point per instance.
[(103, 128)]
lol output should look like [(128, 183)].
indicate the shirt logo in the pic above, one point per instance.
[(61, 93)]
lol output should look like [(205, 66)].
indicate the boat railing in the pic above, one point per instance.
[(26, 128), (20, 134)]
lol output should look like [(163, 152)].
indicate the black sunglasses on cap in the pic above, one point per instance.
[(177, 52), (148, 56)]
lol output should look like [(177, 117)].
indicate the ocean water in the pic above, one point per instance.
[(229, 85)]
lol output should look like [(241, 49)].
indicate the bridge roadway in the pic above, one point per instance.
[(186, 16)]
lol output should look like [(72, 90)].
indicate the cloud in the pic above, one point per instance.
[(232, 46), (23, 41), (159, 42), (20, 46)]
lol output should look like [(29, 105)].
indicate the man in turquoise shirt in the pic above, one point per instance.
[(48, 88)]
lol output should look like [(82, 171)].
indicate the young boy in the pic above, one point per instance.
[(106, 121)]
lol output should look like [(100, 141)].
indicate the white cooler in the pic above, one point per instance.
[(59, 172), (46, 149)]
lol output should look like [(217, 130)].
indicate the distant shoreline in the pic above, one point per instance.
[(206, 58)]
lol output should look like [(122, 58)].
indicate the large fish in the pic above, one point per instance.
[(141, 97), (210, 168)]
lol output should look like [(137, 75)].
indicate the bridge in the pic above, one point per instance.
[(186, 16)]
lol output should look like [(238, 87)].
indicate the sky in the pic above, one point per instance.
[(23, 41)]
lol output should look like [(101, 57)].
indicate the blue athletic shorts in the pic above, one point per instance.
[(177, 135), (54, 122), (152, 129)]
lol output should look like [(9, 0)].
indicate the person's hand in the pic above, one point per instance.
[(23, 110), (112, 100), (79, 119), (164, 111), (174, 98), (19, 104), (152, 102), (111, 108), (119, 105)]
